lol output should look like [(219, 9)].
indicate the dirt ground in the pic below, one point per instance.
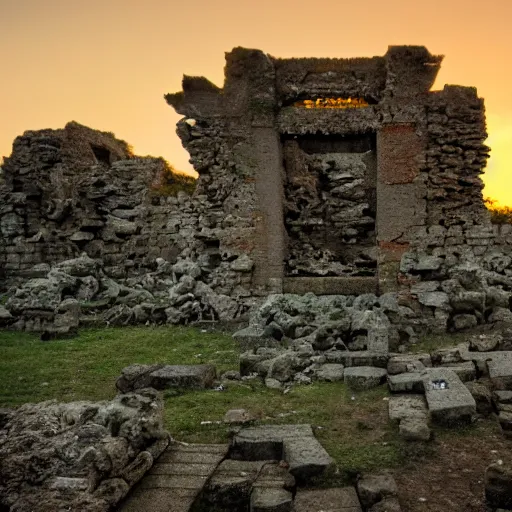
[(450, 478)]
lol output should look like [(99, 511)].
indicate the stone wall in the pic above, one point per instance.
[(57, 204), (345, 201)]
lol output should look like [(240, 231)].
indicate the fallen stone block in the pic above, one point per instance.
[(358, 358), (342, 499), (504, 397), (375, 487), (231, 484), (160, 377), (449, 400), (296, 444), (364, 377), (265, 442), (253, 337), (390, 504), (407, 406), (408, 363), (466, 371), (268, 499), (414, 429), (500, 370), (307, 458), (482, 396), (411, 382), (498, 486), (330, 372)]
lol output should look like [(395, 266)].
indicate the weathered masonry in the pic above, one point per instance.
[(338, 167)]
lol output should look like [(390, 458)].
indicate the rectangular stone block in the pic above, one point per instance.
[(449, 400), (342, 499), (500, 370), (159, 500), (307, 458), (410, 382)]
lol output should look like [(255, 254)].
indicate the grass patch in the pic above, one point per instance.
[(353, 427), (86, 367)]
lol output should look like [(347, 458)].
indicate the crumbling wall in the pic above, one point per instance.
[(330, 211), (383, 197)]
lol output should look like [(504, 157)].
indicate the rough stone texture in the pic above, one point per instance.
[(451, 405), (498, 486), (364, 377), (271, 500), (330, 372), (385, 197), (159, 376), (230, 486), (79, 455), (295, 444), (500, 370), (373, 488), (176, 479), (483, 397), (408, 363), (409, 382), (341, 499)]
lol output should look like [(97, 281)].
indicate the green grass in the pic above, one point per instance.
[(87, 366), (353, 427)]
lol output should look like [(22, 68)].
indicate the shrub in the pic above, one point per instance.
[(171, 182), (499, 214)]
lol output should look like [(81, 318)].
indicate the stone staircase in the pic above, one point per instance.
[(176, 479), (267, 462)]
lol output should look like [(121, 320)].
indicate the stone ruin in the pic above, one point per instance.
[(341, 177)]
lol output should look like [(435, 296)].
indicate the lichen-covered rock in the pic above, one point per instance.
[(78, 455)]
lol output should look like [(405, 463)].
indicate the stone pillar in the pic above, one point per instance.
[(270, 243), (401, 202)]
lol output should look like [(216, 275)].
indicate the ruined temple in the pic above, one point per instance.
[(341, 177), (338, 166)]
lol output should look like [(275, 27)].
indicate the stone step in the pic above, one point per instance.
[(176, 479), (364, 377), (295, 444), (342, 499)]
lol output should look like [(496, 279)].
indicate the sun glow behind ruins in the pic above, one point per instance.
[(332, 103)]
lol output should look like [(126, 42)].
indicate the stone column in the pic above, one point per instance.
[(401, 203)]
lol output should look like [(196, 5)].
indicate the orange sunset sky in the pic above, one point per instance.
[(108, 63)]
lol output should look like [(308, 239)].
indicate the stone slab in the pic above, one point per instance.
[(265, 442), (407, 406), (176, 479), (160, 500), (198, 376), (342, 499), (466, 371), (307, 458), (274, 475), (500, 370), (408, 363), (410, 382), (452, 405), (364, 377), (268, 499), (359, 358)]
